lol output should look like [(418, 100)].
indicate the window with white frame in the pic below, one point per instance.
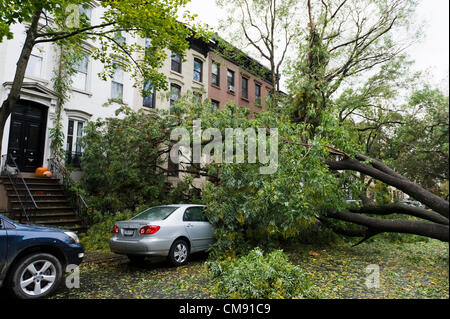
[(117, 83), (198, 70), (176, 62), (215, 74), (258, 94), (73, 145), (81, 76), (175, 93), (34, 67), (150, 95), (244, 88), (230, 80)]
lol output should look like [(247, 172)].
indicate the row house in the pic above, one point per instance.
[(204, 71)]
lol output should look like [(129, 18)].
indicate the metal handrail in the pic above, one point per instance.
[(60, 172), (15, 179)]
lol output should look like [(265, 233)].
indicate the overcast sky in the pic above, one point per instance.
[(431, 54)]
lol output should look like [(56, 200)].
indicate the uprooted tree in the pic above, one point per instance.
[(331, 56), (436, 224), (343, 109)]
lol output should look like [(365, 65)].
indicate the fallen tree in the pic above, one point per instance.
[(436, 224)]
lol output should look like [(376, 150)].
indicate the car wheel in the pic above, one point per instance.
[(179, 253), (36, 276)]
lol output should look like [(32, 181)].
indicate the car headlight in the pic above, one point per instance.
[(73, 236)]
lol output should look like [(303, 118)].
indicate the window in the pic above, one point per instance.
[(215, 74), (215, 105), (155, 213), (176, 62), (258, 94), (73, 145), (244, 87), (230, 77), (34, 67), (117, 84), (80, 77), (198, 70), (194, 214), (149, 98), (197, 97), (175, 92)]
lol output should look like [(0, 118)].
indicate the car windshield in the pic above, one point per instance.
[(155, 213)]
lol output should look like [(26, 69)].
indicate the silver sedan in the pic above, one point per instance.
[(173, 231)]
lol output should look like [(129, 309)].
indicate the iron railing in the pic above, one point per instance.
[(28, 206), (61, 173)]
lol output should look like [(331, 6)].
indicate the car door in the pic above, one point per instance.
[(199, 229), (3, 246)]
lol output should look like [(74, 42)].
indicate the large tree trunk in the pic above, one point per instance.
[(436, 224), (14, 95), (424, 196)]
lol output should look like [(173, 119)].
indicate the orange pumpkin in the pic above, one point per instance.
[(40, 171), (48, 174)]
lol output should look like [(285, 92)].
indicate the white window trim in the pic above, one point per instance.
[(88, 90)]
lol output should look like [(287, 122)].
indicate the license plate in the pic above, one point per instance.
[(128, 232)]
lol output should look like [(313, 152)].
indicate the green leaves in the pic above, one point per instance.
[(151, 28), (256, 276), (121, 159)]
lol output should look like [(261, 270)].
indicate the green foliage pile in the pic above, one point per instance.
[(256, 276)]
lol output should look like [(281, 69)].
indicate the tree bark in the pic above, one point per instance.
[(377, 225), (14, 94), (427, 198), (403, 209)]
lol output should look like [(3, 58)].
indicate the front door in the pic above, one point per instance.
[(27, 136)]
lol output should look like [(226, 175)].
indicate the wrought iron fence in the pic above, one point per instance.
[(28, 206)]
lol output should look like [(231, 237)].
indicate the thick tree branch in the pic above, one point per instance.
[(377, 225), (403, 209), (424, 196)]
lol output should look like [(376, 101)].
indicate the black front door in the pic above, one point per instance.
[(27, 136)]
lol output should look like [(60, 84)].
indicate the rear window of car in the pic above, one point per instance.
[(155, 213)]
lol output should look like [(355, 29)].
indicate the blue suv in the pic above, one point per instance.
[(33, 259)]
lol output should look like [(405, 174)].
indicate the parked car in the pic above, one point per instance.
[(33, 258), (172, 231), (412, 203)]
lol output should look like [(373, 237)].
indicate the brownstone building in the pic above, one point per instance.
[(246, 83)]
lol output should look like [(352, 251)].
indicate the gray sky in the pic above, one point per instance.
[(431, 54)]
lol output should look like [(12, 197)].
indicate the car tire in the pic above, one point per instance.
[(35, 276), (179, 253)]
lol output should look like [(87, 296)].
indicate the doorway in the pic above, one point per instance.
[(27, 135)]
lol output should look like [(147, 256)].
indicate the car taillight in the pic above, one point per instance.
[(116, 229), (148, 230)]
